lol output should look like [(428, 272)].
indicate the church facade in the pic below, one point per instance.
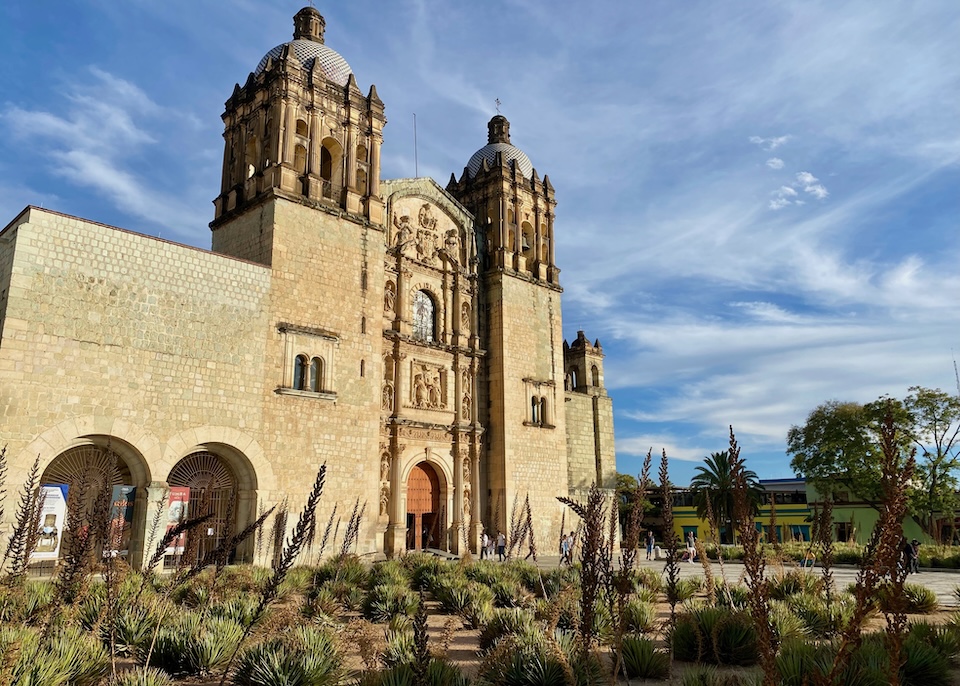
[(409, 336)]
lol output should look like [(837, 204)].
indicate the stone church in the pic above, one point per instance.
[(405, 334)]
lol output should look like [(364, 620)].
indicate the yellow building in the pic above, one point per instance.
[(407, 335)]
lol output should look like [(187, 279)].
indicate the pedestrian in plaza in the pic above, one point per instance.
[(571, 545), (650, 541), (691, 546), (915, 568), (484, 544), (491, 546), (909, 556), (501, 546), (564, 550)]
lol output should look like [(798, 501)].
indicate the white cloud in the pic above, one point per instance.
[(775, 163), (778, 203), (769, 144), (810, 184)]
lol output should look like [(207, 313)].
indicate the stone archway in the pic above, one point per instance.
[(425, 515), (211, 486), (100, 477)]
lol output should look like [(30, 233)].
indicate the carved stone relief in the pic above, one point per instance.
[(428, 389), (465, 318), (387, 401), (384, 500)]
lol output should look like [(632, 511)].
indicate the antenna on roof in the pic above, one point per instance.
[(956, 373), (416, 162)]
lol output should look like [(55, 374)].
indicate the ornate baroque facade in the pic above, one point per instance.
[(407, 335)]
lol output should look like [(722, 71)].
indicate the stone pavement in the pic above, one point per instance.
[(940, 581)]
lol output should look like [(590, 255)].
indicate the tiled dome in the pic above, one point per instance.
[(332, 63), (510, 154)]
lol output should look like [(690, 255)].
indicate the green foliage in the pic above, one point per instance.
[(70, 657), (388, 600), (305, 656), (194, 646), (642, 660), (712, 486), (640, 617), (509, 622), (144, 676), (399, 649), (439, 673), (391, 572), (528, 668), (715, 635), (819, 618), (794, 582)]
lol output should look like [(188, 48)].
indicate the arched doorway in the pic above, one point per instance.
[(206, 483), (75, 485), (425, 526)]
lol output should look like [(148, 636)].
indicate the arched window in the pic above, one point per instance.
[(595, 375), (326, 163), (424, 317), (250, 157), (300, 372), (301, 127), (543, 411), (316, 375), (535, 410), (573, 379)]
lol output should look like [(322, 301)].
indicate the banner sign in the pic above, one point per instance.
[(53, 519)]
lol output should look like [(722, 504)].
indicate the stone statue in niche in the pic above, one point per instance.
[(466, 505), (465, 318), (385, 467), (389, 297), (384, 500), (452, 245), (403, 230), (465, 408), (466, 470), (419, 390), (387, 400)]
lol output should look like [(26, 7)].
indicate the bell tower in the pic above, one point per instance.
[(521, 329), (299, 128)]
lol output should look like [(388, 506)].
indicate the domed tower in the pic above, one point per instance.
[(300, 128), (521, 327)]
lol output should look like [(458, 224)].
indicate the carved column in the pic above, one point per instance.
[(375, 142)]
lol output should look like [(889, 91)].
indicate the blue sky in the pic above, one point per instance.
[(759, 203)]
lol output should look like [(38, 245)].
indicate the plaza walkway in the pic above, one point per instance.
[(941, 582)]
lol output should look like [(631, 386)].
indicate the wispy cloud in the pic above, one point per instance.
[(769, 144), (99, 141), (775, 163)]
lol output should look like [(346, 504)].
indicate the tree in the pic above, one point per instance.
[(934, 428), (837, 449), (713, 484)]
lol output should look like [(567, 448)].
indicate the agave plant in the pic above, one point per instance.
[(144, 676), (642, 660), (305, 656)]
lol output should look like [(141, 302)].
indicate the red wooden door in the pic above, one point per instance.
[(423, 507)]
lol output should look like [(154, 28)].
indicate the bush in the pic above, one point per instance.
[(193, 647), (819, 618), (639, 617), (304, 656), (439, 673), (388, 600), (715, 635), (390, 572), (144, 676), (509, 622), (920, 599), (642, 660), (794, 582), (70, 657)]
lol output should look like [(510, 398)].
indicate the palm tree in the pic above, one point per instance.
[(713, 483)]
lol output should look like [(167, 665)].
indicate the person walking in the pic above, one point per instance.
[(564, 550), (915, 561), (501, 546), (909, 556), (691, 546), (484, 544), (571, 544), (650, 541)]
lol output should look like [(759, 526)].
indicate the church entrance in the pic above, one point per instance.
[(425, 527)]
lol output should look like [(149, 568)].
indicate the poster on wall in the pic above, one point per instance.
[(53, 519), (121, 521), (177, 512)]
